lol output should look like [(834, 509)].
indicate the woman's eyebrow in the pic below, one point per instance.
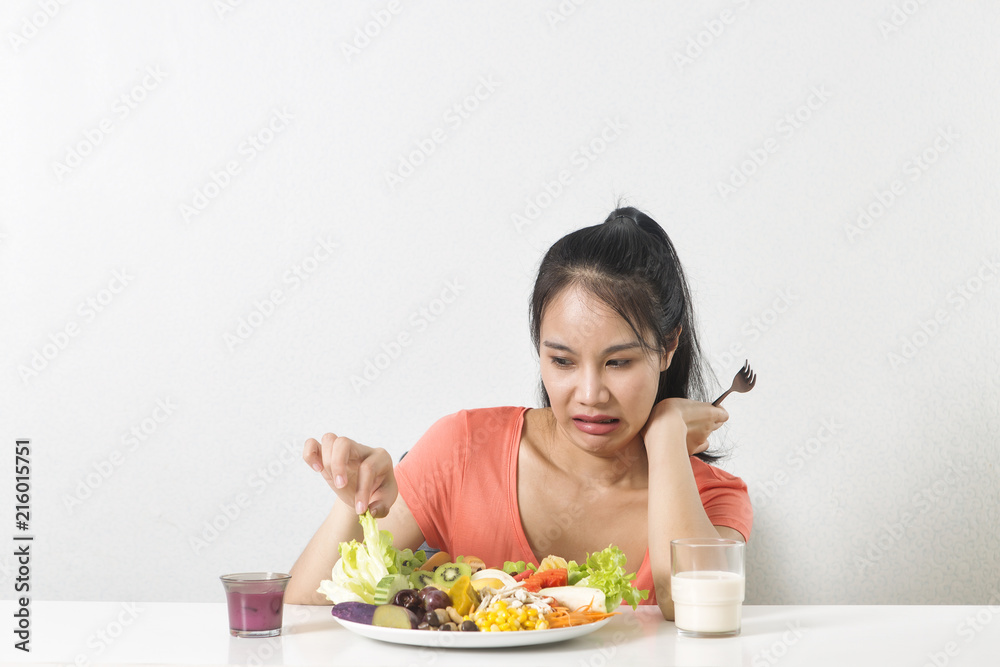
[(622, 347), (611, 350)]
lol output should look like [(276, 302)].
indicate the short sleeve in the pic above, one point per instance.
[(431, 474), (724, 497)]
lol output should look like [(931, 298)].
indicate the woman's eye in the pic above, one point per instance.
[(618, 363), (560, 361)]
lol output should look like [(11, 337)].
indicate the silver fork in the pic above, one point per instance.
[(743, 382)]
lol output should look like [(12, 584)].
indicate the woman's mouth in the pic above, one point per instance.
[(596, 424)]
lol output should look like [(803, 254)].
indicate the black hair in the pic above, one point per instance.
[(630, 264)]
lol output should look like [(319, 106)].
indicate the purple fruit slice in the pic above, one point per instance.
[(358, 612)]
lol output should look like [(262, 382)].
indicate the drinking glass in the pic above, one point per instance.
[(256, 600), (707, 584)]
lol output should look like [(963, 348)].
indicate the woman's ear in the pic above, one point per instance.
[(668, 356)]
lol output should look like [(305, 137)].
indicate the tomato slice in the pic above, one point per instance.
[(546, 579)]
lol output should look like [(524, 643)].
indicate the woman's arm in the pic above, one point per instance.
[(675, 508), (317, 560), (363, 479)]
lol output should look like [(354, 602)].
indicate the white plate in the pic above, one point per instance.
[(436, 639)]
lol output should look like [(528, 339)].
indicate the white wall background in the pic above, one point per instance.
[(874, 476)]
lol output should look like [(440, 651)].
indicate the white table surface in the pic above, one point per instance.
[(115, 633)]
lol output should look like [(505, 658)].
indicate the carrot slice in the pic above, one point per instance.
[(561, 617)]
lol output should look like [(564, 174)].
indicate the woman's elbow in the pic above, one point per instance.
[(299, 592)]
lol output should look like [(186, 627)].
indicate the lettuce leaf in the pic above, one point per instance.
[(512, 568), (363, 564), (606, 570), (407, 561)]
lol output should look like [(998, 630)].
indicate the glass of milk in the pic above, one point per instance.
[(707, 584)]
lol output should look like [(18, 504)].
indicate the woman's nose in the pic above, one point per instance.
[(591, 389)]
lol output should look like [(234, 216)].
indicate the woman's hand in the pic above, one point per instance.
[(699, 419), (361, 476)]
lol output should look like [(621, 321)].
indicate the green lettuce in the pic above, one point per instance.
[(407, 561), (512, 568), (363, 564), (606, 570)]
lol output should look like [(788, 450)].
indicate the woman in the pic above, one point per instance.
[(614, 457)]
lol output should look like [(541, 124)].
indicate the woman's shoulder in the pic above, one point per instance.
[(706, 473), (474, 421), (499, 412), (485, 415)]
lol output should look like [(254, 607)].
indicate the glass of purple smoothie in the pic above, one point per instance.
[(255, 602)]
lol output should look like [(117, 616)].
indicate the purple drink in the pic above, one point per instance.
[(255, 601), (255, 611)]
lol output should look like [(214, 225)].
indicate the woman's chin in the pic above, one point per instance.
[(603, 442)]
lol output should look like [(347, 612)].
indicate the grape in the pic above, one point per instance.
[(434, 598), (410, 599)]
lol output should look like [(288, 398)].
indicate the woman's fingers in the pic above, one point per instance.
[(698, 448), (703, 420), (373, 473), (721, 415), (382, 499), (367, 481), (339, 455), (313, 455), (361, 476)]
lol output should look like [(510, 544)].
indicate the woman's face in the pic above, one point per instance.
[(600, 381)]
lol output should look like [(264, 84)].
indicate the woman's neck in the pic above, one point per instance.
[(626, 468)]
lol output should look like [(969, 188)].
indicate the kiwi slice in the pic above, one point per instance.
[(421, 579), (445, 575), (388, 586)]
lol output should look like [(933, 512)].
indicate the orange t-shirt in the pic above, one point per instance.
[(460, 483)]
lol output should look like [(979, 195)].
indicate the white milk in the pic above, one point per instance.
[(707, 601)]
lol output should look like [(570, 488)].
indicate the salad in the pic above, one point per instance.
[(376, 584)]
